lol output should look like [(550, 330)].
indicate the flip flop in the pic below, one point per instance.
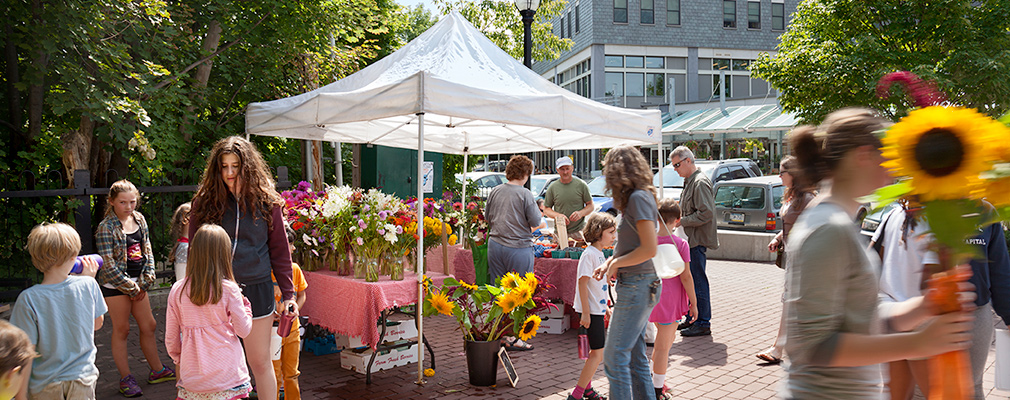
[(768, 358), (517, 344)]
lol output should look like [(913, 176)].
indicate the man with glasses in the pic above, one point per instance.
[(697, 203)]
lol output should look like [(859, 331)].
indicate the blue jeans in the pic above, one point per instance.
[(698, 261), (624, 357)]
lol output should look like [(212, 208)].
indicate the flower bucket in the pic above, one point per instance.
[(482, 362)]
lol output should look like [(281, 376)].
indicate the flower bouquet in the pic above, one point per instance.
[(302, 211), (372, 232), (954, 163)]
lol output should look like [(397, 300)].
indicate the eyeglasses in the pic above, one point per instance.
[(677, 165)]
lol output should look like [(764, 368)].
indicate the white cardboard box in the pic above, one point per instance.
[(405, 330), (555, 326), (553, 313), (359, 361)]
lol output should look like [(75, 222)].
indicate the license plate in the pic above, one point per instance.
[(736, 217)]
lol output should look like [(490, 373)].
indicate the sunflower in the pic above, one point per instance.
[(943, 150), (468, 286), (508, 302), (530, 327), (441, 303), (997, 192), (523, 293), (509, 281)]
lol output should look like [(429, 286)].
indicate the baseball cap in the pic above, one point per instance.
[(563, 161)]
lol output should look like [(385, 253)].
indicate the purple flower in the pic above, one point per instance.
[(382, 231), (366, 207), (383, 214), (361, 242), (362, 224), (304, 186), (399, 229)]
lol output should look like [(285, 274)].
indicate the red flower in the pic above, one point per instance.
[(297, 225)]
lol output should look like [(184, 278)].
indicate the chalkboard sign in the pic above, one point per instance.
[(509, 368)]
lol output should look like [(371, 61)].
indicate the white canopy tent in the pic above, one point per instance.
[(451, 90)]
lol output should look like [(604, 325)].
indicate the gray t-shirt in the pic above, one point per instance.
[(511, 213), (566, 198), (641, 206), (831, 289)]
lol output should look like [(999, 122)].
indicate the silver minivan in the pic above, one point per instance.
[(749, 204)]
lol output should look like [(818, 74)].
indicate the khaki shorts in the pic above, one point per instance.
[(83, 388)]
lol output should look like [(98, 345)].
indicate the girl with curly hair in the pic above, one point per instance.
[(629, 180), (237, 192)]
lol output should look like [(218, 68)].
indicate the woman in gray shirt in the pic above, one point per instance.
[(511, 213), (833, 320)]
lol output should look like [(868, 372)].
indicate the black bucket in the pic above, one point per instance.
[(482, 362)]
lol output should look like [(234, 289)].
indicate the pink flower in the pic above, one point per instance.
[(361, 242)]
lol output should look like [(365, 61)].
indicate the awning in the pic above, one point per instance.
[(742, 119)]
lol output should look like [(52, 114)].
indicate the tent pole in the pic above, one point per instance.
[(662, 166), (466, 159), (420, 248)]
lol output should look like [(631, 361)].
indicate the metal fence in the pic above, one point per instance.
[(27, 200)]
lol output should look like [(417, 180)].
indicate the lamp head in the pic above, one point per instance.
[(524, 5)]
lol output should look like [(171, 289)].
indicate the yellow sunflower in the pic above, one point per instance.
[(441, 303), (510, 281), (508, 302), (468, 286), (531, 281), (943, 150), (523, 293), (529, 328), (997, 192)]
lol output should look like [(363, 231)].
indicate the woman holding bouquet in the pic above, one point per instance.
[(831, 301)]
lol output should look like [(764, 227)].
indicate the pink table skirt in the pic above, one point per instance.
[(351, 306), (560, 272)]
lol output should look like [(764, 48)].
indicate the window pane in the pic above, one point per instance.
[(729, 14), (636, 84), (570, 24), (615, 84), (635, 62), (614, 61), (753, 15), (655, 85), (778, 16), (720, 63), (647, 4), (741, 65), (621, 11), (716, 87), (576, 18), (673, 12), (653, 62), (562, 27), (648, 17), (678, 62)]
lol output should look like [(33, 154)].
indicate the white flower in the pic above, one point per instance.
[(307, 239)]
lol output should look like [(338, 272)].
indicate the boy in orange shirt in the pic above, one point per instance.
[(286, 369)]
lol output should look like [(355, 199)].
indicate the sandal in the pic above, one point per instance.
[(516, 344), (768, 358)]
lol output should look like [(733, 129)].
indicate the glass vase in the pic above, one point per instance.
[(344, 266), (384, 264), (396, 269), (359, 267), (372, 269), (308, 262), (331, 260)]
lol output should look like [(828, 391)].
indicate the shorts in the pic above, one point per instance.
[(261, 297), (597, 332), (83, 388)]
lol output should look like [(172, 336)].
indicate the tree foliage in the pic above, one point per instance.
[(500, 21), (417, 20), (834, 51)]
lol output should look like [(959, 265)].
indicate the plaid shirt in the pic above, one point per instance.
[(111, 242)]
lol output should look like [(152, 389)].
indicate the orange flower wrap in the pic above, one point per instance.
[(949, 373)]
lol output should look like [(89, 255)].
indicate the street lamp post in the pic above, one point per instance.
[(527, 8)]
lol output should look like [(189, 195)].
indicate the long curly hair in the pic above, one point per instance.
[(625, 170), (179, 227), (257, 187)]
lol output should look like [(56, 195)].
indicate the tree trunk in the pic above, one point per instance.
[(36, 92), (210, 45), (77, 148), (13, 95)]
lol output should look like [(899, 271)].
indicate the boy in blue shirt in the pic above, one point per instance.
[(60, 316)]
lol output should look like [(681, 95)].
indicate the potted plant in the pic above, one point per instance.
[(487, 312)]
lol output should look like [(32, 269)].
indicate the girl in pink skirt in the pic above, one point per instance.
[(675, 300)]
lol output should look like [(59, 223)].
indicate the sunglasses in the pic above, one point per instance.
[(677, 165)]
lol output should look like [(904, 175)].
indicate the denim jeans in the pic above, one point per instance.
[(698, 261), (624, 357)]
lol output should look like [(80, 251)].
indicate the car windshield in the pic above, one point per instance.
[(537, 185), (672, 179), (598, 186)]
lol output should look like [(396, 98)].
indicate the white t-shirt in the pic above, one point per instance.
[(901, 266), (592, 258)]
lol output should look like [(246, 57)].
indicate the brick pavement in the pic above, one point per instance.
[(722, 366)]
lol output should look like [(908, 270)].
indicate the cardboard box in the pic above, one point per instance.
[(405, 329), (554, 326), (358, 361), (559, 312)]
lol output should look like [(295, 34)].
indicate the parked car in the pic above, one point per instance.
[(490, 166), (539, 184), (717, 171), (749, 204), (872, 220), (482, 182), (601, 202)]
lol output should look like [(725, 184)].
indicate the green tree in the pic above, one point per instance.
[(835, 51), (417, 20), (500, 21)]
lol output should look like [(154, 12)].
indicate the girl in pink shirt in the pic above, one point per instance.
[(206, 317)]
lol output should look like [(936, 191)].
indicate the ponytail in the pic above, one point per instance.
[(819, 150)]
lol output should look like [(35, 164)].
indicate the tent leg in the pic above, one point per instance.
[(420, 248)]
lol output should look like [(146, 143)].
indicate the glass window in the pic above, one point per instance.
[(737, 172), (648, 13), (673, 12), (655, 85), (677, 62), (778, 16), (614, 61), (615, 84), (722, 174), (636, 84), (653, 62), (562, 27), (741, 65), (753, 15), (777, 193), (570, 24), (720, 63), (635, 61), (728, 13), (576, 18), (704, 64), (716, 87), (747, 197), (621, 11)]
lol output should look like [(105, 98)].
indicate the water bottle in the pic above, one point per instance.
[(79, 265), (284, 327), (583, 344)]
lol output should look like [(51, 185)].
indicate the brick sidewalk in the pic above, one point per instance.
[(722, 366)]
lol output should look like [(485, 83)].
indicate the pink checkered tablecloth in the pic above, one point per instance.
[(351, 306), (560, 272)]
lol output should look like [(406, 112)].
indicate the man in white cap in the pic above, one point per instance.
[(568, 198)]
